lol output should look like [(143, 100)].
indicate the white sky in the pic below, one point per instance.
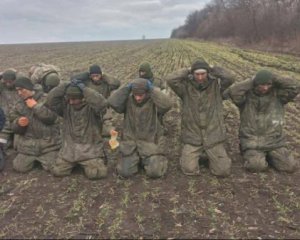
[(29, 21)]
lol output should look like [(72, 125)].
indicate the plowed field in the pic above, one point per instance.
[(244, 205)]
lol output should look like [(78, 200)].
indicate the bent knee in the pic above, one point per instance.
[(157, 167), (20, 167), (256, 165), (96, 173), (224, 172), (189, 167)]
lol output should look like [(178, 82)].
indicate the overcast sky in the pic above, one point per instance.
[(28, 21)]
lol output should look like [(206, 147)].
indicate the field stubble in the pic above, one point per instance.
[(244, 205)]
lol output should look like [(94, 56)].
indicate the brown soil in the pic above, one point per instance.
[(244, 205)]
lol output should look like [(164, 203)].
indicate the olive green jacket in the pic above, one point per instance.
[(141, 124), (202, 121), (81, 127), (42, 135), (262, 117), (8, 98)]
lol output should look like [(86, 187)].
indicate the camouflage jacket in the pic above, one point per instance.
[(105, 86), (141, 124), (8, 98), (42, 135), (202, 120), (262, 117), (41, 70), (81, 127)]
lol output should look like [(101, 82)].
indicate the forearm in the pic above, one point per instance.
[(161, 100), (118, 99), (44, 114), (237, 91), (55, 98), (94, 99), (177, 80)]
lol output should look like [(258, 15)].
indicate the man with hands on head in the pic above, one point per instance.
[(142, 140), (200, 90), (82, 144), (261, 100)]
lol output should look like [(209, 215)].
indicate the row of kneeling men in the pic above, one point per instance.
[(62, 124)]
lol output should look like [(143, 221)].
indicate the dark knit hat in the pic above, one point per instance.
[(24, 82), (145, 67), (95, 69), (74, 92), (52, 80), (263, 77), (139, 86), (200, 64), (9, 75)]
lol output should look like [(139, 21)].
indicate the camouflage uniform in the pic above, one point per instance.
[(142, 139), (262, 119), (39, 73), (148, 74), (105, 87), (157, 82), (202, 123), (82, 141), (8, 98), (40, 140)]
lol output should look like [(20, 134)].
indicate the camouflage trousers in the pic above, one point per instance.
[(218, 160), (143, 155), (93, 168), (281, 159), (24, 163)]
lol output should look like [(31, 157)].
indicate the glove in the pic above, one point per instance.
[(23, 121), (129, 85), (30, 102), (149, 85), (77, 83)]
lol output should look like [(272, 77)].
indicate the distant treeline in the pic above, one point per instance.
[(250, 21)]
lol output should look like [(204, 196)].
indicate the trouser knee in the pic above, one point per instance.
[(128, 165), (283, 160), (61, 168), (124, 172), (189, 159), (156, 166), (219, 161), (95, 169), (23, 163), (224, 172), (58, 172), (255, 161)]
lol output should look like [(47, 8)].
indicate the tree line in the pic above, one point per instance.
[(248, 21)]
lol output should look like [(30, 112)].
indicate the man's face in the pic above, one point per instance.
[(9, 83), (200, 76), (24, 93), (139, 97), (74, 101), (142, 73), (264, 88), (96, 77)]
